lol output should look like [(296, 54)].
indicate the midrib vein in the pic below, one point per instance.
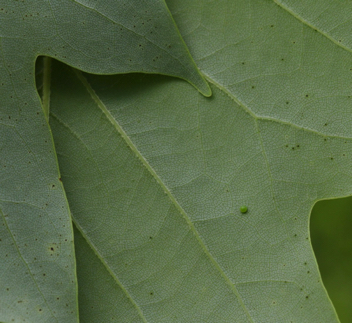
[(310, 25), (138, 154)]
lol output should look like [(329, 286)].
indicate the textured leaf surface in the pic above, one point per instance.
[(171, 231), (38, 281), (274, 136), (105, 37), (155, 173)]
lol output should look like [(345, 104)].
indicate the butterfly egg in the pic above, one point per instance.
[(243, 209)]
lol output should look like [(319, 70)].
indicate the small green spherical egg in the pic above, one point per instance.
[(243, 209)]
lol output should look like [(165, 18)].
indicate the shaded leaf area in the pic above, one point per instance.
[(330, 226), (39, 76), (97, 284)]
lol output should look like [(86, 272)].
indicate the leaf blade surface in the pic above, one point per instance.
[(100, 37)]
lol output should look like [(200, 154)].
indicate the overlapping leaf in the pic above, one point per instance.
[(155, 173), (274, 136), (38, 280)]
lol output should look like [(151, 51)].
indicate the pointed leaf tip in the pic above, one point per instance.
[(203, 87)]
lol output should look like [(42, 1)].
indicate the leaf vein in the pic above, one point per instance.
[(166, 190)]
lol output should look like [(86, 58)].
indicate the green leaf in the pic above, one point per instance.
[(156, 174), (153, 197), (330, 227), (104, 37), (38, 280)]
